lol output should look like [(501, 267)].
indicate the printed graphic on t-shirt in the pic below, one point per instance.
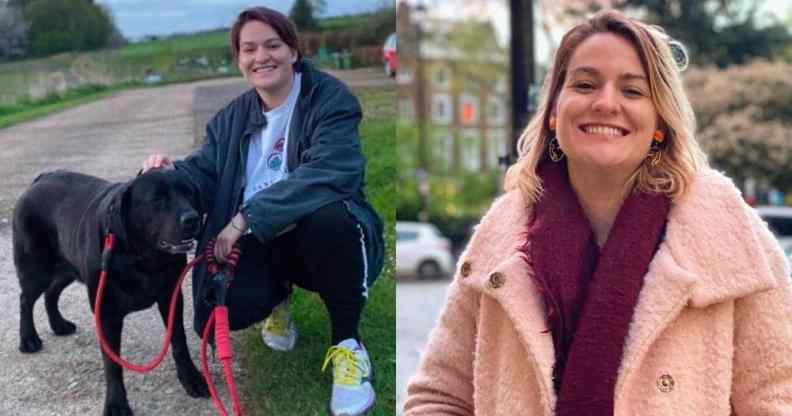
[(275, 159), (266, 160), (278, 147)]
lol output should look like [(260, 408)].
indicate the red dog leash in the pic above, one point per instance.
[(218, 317)]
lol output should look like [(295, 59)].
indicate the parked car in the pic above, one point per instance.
[(780, 221), (389, 57), (422, 252)]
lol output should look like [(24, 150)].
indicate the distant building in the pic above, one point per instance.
[(464, 82)]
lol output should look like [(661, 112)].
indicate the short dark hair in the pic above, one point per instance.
[(281, 24)]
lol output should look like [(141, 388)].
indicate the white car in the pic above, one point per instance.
[(780, 221), (421, 251)]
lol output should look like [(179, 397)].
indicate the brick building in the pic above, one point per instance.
[(460, 93)]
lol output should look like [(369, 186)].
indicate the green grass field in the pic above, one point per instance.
[(291, 383), (177, 58), (177, 43), (31, 88), (27, 110)]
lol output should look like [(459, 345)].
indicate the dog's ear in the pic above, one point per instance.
[(118, 211), (186, 187)]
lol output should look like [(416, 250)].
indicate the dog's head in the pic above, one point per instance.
[(156, 212)]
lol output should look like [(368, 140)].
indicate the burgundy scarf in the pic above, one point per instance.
[(590, 296)]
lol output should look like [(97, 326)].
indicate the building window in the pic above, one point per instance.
[(496, 146), (441, 109), (442, 150), (441, 78), (469, 109), (495, 112), (470, 149)]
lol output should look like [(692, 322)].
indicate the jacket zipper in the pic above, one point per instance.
[(242, 171)]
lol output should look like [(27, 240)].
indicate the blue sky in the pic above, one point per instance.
[(137, 18)]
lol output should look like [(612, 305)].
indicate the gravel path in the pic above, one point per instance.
[(109, 139)]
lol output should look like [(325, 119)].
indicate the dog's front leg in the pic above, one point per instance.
[(190, 378), (115, 396)]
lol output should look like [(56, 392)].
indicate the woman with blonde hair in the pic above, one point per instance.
[(619, 274)]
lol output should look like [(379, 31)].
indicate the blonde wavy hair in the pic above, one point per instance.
[(682, 156)]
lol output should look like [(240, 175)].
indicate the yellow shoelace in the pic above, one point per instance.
[(346, 366), (277, 321)]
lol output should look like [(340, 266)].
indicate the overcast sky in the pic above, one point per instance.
[(138, 18), (497, 11)]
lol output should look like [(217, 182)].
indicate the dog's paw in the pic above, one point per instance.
[(30, 344), (117, 409), (64, 328), (195, 385)]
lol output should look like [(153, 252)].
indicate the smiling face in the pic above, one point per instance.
[(265, 59), (604, 112)]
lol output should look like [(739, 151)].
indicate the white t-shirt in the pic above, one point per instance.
[(266, 161)]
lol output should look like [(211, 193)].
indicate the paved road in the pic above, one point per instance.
[(418, 305), (109, 138)]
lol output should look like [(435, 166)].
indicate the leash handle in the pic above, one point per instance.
[(220, 278), (220, 275), (231, 262)]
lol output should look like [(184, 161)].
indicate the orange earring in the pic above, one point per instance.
[(552, 123), (659, 135)]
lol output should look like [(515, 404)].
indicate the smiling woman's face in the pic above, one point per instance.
[(264, 58), (604, 112)]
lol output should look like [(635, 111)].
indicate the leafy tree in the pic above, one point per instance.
[(66, 25), (302, 14), (720, 32), (745, 119), (319, 7)]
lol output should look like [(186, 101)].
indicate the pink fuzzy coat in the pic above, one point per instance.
[(711, 333)]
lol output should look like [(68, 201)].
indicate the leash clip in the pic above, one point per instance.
[(220, 275), (107, 250), (219, 283)]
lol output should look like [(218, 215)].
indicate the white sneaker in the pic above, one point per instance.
[(353, 394), (279, 331)]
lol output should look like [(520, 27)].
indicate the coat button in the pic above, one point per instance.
[(665, 383), (496, 280), (465, 269)]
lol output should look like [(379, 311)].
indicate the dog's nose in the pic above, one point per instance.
[(190, 222)]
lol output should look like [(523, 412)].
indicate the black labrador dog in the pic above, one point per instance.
[(59, 226)]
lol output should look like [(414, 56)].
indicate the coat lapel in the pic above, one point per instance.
[(667, 288), (711, 254), (510, 283)]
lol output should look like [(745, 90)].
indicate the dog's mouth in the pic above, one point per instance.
[(184, 246)]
